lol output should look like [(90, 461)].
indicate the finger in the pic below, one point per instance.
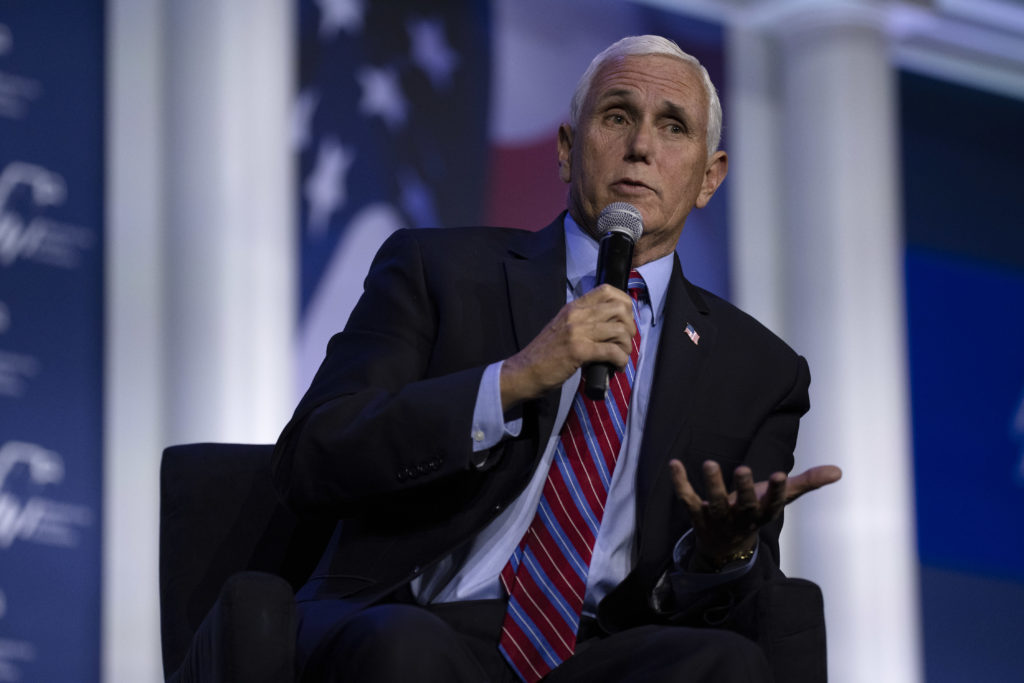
[(603, 325), (606, 293), (609, 304), (746, 508), (600, 305), (718, 497), (812, 479), (681, 484), (775, 496), (746, 494), (609, 352), (614, 331)]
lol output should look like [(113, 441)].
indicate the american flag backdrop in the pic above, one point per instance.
[(390, 128), (445, 112)]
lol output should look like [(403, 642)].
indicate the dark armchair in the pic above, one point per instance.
[(231, 557)]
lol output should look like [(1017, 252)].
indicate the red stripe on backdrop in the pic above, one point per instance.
[(524, 190)]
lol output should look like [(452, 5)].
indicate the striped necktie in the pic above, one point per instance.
[(546, 577)]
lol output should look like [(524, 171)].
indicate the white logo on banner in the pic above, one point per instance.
[(15, 368), (38, 239), (12, 651), (16, 92), (15, 371), (36, 519)]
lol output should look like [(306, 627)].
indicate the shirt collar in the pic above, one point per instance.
[(581, 266)]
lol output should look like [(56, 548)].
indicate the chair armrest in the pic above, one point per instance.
[(790, 627), (220, 515), (247, 637)]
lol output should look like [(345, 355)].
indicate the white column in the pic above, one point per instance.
[(229, 213), (200, 271), (832, 275), (753, 110), (133, 382)]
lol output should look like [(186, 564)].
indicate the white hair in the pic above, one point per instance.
[(649, 45)]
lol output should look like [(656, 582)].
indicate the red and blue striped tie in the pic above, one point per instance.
[(546, 577)]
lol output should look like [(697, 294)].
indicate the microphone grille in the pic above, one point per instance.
[(620, 217)]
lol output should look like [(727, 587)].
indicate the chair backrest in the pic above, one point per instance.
[(219, 515)]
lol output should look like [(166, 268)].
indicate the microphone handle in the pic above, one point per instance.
[(614, 260)]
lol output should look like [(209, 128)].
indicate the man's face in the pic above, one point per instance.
[(642, 139)]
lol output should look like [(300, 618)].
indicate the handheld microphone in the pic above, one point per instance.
[(619, 226)]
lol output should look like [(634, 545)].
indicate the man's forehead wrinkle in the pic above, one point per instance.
[(617, 93), (620, 69)]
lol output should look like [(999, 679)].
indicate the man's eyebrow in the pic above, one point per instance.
[(673, 110), (617, 94)]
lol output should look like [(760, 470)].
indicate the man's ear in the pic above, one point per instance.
[(565, 152), (714, 174)]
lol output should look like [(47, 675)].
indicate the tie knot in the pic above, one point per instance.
[(637, 287)]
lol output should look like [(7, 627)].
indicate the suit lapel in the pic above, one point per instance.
[(535, 281), (535, 277), (680, 362)]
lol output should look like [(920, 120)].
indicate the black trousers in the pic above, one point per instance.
[(455, 642)]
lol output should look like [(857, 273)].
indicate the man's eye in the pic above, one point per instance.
[(676, 129), (617, 119)]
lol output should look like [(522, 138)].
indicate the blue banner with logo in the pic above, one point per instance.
[(51, 326), (965, 314)]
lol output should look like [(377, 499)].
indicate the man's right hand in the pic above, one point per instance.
[(598, 327)]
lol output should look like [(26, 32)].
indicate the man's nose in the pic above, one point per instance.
[(640, 145)]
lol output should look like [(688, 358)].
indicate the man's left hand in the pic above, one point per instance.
[(726, 524)]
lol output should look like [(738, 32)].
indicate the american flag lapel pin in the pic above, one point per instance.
[(692, 334)]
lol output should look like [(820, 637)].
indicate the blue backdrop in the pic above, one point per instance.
[(962, 152), (51, 324)]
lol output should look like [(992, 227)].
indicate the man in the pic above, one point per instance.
[(493, 526)]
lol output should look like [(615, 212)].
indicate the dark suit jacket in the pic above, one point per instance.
[(381, 439)]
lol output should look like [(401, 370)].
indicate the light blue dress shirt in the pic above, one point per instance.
[(472, 574)]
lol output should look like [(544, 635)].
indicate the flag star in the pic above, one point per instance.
[(417, 200), (382, 95), (340, 14), (430, 51), (302, 117), (325, 187)]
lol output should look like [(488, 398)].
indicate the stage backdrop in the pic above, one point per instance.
[(51, 322), (962, 152), (432, 114)]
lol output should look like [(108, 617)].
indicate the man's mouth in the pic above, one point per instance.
[(629, 185)]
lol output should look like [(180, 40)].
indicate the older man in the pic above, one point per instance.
[(498, 524)]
